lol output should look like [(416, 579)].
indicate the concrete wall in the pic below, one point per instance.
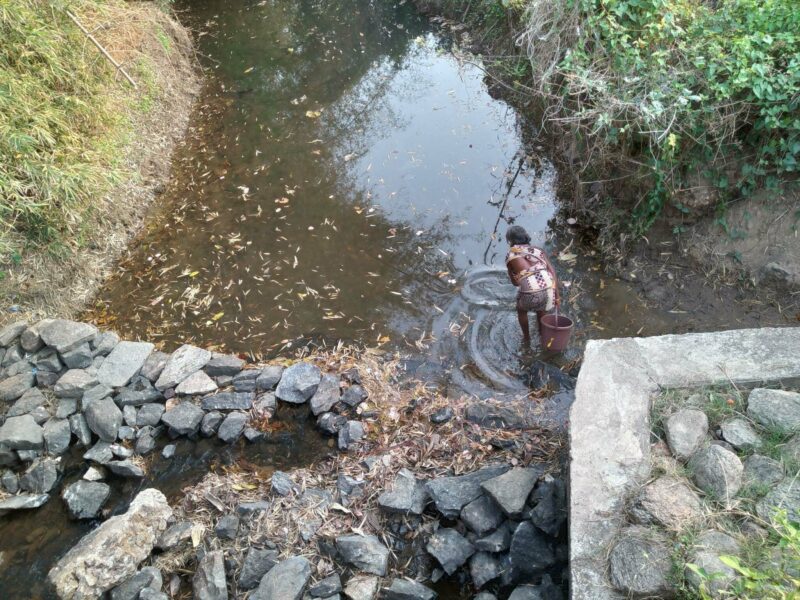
[(610, 423)]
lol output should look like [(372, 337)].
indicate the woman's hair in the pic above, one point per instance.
[(517, 235)]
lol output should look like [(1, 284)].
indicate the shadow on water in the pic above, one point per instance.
[(31, 541)]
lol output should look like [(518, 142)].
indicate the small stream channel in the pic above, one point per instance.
[(346, 176)]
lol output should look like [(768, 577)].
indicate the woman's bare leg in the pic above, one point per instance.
[(539, 315), (522, 315)]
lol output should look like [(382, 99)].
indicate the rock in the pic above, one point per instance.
[(482, 515), (109, 554), (326, 396), (11, 332), (184, 419), (686, 431), (168, 451), (223, 364), (22, 502), (30, 340), (40, 414), (483, 568), (791, 450), (406, 589), (786, 496), (149, 414), (228, 401), (79, 358), (775, 409), (28, 402), (174, 535), (104, 418), (366, 553), (327, 587), (154, 365), (183, 363), (67, 335), (549, 499), (282, 484), (11, 356), (298, 383), (148, 577), (151, 594), (41, 476), (125, 468), (10, 482), (28, 456), (450, 548), (74, 383), (407, 495), (350, 433), (230, 430), (100, 453), (668, 502), (499, 541), (57, 436), (443, 415), (14, 387), (196, 383), (246, 380), (761, 470), (285, 581), (46, 379), (94, 474), (490, 596), (257, 563), (22, 367), (80, 429), (717, 472), (84, 499), (350, 489), (138, 394), (209, 578), (710, 545), (640, 563), (22, 433), (269, 378), (362, 587), (103, 343), (511, 489), (266, 404), (451, 494), (354, 395), (66, 407), (531, 552), (211, 422), (331, 423), (740, 434), (227, 527)]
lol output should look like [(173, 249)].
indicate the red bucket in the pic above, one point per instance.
[(556, 331)]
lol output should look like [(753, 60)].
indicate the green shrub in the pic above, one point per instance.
[(678, 87)]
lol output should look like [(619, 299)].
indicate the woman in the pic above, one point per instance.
[(531, 271)]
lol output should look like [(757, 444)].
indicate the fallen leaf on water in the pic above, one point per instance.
[(313, 114)]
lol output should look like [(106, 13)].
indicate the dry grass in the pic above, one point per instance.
[(158, 53), (400, 437)]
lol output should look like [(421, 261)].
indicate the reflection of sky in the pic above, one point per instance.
[(438, 149)]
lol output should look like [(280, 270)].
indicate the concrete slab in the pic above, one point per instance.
[(610, 423)]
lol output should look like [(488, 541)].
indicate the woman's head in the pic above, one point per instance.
[(517, 236)]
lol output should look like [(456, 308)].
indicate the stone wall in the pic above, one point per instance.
[(610, 430)]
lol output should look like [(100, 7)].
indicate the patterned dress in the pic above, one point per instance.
[(536, 284)]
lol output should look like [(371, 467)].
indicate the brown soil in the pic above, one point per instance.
[(46, 285)]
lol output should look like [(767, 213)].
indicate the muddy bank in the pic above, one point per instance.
[(60, 282)]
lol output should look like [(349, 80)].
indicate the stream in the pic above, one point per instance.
[(347, 176)]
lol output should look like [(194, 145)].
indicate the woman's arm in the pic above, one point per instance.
[(554, 275), (511, 275)]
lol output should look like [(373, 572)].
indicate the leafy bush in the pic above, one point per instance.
[(56, 122), (677, 87)]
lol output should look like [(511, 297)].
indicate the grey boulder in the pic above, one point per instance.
[(775, 409), (184, 419), (209, 578), (41, 476), (84, 499), (482, 515), (298, 383), (285, 581), (640, 563), (366, 553), (230, 430), (133, 588), (686, 430), (407, 495), (257, 562), (67, 335), (74, 383), (511, 489), (22, 502), (222, 365), (406, 589), (531, 552), (718, 472), (22, 433), (451, 494), (57, 435), (196, 383), (104, 418), (450, 548), (327, 394), (124, 361), (14, 387), (182, 363), (740, 434)]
